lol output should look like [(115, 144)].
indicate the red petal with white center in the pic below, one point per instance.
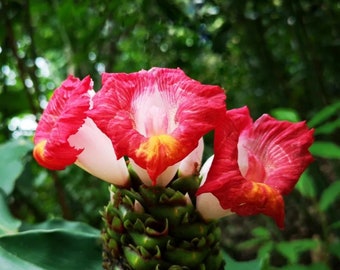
[(255, 165), (156, 117), (282, 149), (98, 157), (63, 116)]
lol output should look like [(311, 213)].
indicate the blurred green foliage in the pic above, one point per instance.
[(278, 57)]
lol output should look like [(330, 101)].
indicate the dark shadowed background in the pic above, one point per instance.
[(280, 57)]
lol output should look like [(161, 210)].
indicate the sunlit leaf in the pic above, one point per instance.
[(325, 149), (285, 114), (261, 232), (11, 164)]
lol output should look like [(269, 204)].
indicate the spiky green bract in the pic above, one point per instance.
[(151, 227)]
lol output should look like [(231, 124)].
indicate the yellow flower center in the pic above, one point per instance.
[(38, 151), (159, 145)]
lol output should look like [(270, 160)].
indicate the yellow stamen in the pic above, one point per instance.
[(159, 145), (38, 151), (259, 190)]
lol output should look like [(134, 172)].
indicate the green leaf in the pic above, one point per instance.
[(59, 224), (250, 243), (256, 264), (306, 185), (74, 246), (334, 249), (291, 250), (328, 128), (329, 195), (314, 266), (265, 250), (324, 114), (285, 114), (11, 164), (8, 224), (335, 225), (9, 261), (325, 149), (261, 232), (261, 236)]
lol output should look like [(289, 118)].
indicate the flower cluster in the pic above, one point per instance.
[(157, 119)]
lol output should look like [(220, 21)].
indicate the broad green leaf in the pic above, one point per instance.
[(53, 249), (324, 114), (11, 164), (61, 224), (8, 224), (10, 261), (329, 195), (246, 265), (325, 149), (285, 114), (314, 266), (306, 185)]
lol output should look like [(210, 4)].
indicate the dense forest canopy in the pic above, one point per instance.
[(280, 57)]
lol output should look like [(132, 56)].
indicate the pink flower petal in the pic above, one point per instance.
[(64, 115), (255, 164), (156, 117)]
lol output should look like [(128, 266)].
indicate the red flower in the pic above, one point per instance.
[(156, 117), (64, 115), (65, 135), (256, 163)]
